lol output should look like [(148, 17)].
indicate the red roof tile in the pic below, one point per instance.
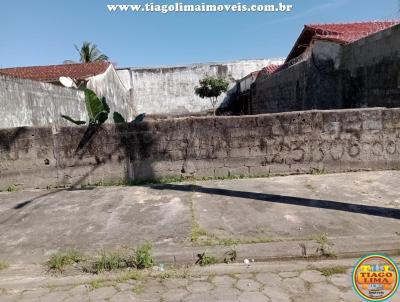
[(349, 32), (338, 32), (270, 69), (52, 73)]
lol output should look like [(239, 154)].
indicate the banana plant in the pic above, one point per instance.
[(97, 109), (119, 119)]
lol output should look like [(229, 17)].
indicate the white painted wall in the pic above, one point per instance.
[(170, 90), (30, 103), (112, 88)]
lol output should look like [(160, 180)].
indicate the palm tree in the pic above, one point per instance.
[(90, 53)]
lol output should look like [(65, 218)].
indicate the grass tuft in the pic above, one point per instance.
[(13, 188), (130, 275), (144, 258), (105, 262), (3, 265), (60, 260), (332, 270), (141, 258)]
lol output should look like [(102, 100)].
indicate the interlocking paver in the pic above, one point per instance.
[(200, 297), (248, 285), (289, 274), (276, 294), (223, 281), (269, 279), (325, 292), (351, 296), (175, 294), (199, 287), (225, 294), (224, 285), (253, 297), (102, 293), (175, 283), (123, 297), (312, 276), (295, 286), (340, 280)]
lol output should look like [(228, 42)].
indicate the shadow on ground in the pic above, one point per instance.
[(289, 200)]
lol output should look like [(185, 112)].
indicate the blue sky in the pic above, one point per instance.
[(43, 32)]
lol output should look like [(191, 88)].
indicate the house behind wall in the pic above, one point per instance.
[(364, 73), (34, 96)]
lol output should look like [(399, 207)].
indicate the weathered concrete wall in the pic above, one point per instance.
[(32, 103), (361, 74), (371, 71), (170, 90), (296, 142), (27, 103), (311, 84)]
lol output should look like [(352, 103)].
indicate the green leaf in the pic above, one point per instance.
[(139, 118), (118, 118), (97, 110), (72, 120), (101, 117), (105, 105)]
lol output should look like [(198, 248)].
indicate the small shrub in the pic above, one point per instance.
[(143, 256), (204, 259), (60, 260)]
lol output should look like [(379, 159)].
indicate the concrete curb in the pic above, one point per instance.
[(338, 247)]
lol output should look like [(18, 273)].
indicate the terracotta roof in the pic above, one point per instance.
[(52, 73), (343, 33), (270, 69), (350, 32)]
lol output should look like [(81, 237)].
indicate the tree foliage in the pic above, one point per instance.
[(212, 87), (89, 52)]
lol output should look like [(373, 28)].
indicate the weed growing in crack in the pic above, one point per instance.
[(332, 270), (3, 265), (143, 256), (139, 258), (204, 259)]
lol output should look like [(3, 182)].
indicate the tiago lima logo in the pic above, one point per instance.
[(376, 278)]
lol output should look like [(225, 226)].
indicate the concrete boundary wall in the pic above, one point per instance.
[(296, 142), (25, 102)]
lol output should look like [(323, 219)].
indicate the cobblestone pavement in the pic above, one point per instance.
[(286, 281)]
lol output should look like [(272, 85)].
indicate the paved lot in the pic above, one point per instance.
[(276, 282), (35, 224)]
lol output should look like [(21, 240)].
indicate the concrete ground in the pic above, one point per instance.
[(295, 281), (343, 207)]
